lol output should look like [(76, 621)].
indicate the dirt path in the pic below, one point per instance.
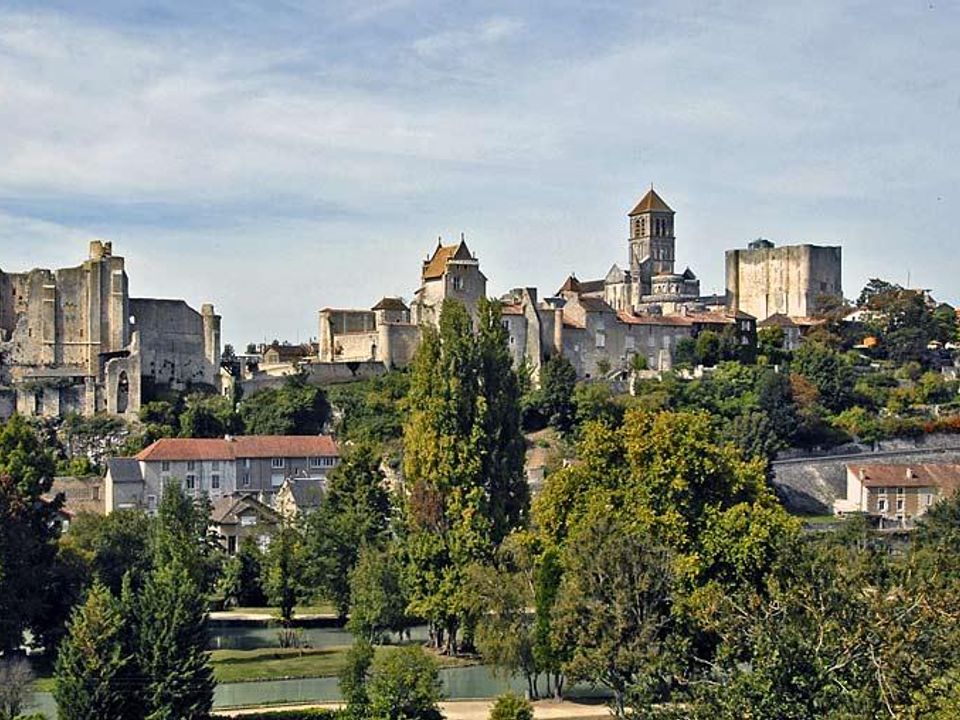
[(468, 710)]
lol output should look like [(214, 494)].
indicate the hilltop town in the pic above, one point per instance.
[(449, 462)]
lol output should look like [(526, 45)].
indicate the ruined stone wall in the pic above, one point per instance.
[(787, 280), (172, 343)]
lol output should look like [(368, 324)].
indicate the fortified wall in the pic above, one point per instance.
[(72, 340)]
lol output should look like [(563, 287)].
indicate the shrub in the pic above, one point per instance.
[(405, 685), (511, 707)]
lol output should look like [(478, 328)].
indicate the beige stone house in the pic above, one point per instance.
[(896, 494)]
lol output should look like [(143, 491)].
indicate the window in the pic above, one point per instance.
[(899, 491), (882, 504), (276, 463), (246, 462), (457, 282), (191, 482), (246, 479), (899, 504), (151, 502), (191, 465), (214, 482), (165, 466), (318, 462), (601, 340), (928, 499)]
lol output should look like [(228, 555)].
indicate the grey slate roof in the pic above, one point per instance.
[(124, 470)]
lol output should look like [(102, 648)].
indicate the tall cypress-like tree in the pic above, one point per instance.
[(92, 663), (172, 646), (462, 461), (508, 493)]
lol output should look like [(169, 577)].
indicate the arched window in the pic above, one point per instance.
[(123, 393)]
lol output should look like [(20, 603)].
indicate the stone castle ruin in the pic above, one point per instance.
[(73, 340)]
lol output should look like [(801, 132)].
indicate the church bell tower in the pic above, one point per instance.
[(652, 242)]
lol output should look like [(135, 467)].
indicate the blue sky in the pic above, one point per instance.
[(278, 157)]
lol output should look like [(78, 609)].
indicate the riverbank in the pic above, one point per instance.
[(465, 710)]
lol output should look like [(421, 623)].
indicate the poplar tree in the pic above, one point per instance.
[(92, 663), (463, 459)]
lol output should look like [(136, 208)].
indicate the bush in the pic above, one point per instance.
[(511, 707), (405, 684)]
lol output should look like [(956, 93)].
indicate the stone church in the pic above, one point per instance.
[(73, 340)]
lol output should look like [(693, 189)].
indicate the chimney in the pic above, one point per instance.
[(910, 474)]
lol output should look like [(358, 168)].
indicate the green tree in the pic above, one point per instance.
[(208, 416), (181, 534), (558, 379), (829, 372), (283, 572), (708, 348), (505, 628), (685, 353), (377, 599), (451, 517), (112, 545), (771, 342), (499, 418), (241, 582), (171, 630), (353, 678), (595, 401), (295, 408), (511, 707), (92, 669), (29, 529), (404, 685), (615, 611), (355, 513)]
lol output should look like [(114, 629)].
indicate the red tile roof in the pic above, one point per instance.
[(641, 319), (946, 477), (245, 446), (437, 265)]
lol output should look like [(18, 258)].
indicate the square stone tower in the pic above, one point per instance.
[(652, 241)]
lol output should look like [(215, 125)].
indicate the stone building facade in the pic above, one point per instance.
[(765, 280), (73, 340), (218, 467), (390, 331), (599, 325)]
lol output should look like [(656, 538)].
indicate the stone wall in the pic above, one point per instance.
[(173, 343), (321, 373)]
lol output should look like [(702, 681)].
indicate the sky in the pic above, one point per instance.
[(278, 157)]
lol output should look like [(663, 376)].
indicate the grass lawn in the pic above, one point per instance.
[(278, 663)]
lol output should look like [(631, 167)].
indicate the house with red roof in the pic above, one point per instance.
[(218, 467)]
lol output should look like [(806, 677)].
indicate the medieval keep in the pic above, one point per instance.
[(73, 340)]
